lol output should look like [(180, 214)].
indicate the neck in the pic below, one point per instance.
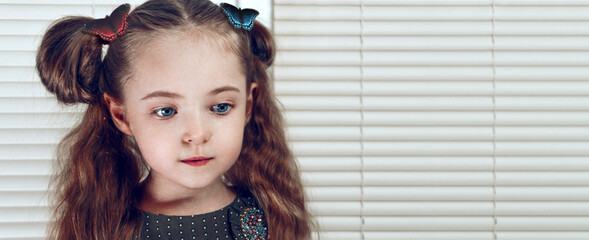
[(160, 198)]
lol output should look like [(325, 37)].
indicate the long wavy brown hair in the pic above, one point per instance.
[(99, 170)]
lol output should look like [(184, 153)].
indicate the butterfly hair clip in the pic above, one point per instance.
[(110, 27), (240, 18)]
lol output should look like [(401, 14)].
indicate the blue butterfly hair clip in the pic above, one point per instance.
[(240, 18)]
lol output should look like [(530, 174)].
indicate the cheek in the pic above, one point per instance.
[(154, 142), (230, 136)]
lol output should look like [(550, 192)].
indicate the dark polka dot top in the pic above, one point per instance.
[(243, 219)]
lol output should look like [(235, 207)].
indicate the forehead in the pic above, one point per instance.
[(190, 62)]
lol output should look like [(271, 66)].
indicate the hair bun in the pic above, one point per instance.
[(262, 43), (69, 61)]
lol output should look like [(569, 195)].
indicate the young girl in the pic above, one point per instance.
[(182, 137)]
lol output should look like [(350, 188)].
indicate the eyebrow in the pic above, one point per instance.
[(223, 89), (175, 95), (162, 94)]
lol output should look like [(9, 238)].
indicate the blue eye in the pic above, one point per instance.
[(166, 112), (221, 108)]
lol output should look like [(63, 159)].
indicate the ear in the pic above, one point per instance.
[(250, 102), (117, 113)]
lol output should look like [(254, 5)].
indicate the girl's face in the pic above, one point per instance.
[(186, 105)]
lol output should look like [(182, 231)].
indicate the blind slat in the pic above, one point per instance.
[(434, 43), (18, 230), (12, 199), (417, 193), (24, 167), (19, 74), (24, 183), (38, 120), (24, 214), (26, 152)]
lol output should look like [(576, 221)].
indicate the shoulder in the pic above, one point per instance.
[(248, 220)]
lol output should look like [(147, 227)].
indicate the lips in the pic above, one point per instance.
[(197, 161)]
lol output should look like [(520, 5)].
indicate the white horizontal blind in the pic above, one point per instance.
[(439, 119)]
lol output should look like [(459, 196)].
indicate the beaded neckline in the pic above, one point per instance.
[(242, 219)]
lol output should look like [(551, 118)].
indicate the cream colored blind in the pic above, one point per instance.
[(439, 119)]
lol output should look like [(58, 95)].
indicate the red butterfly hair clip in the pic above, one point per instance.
[(111, 26)]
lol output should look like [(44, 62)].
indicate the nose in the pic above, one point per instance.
[(196, 131)]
